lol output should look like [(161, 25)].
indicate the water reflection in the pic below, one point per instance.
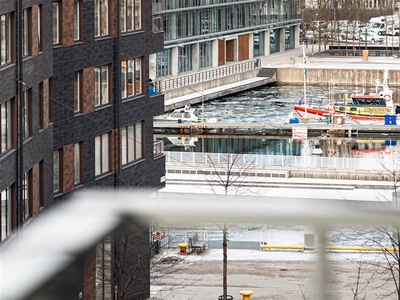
[(331, 147)]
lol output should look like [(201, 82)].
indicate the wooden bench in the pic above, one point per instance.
[(299, 248), (195, 244)]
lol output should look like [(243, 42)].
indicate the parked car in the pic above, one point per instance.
[(310, 37), (287, 34), (349, 35), (394, 31), (272, 37), (371, 37)]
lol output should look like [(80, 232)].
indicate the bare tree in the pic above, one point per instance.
[(385, 267), (122, 264), (230, 173)]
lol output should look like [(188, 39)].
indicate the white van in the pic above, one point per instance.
[(378, 27)]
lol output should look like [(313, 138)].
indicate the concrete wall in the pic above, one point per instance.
[(337, 77)]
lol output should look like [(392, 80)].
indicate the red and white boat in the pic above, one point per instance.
[(364, 108), (318, 110)]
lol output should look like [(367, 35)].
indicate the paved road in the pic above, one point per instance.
[(269, 274)]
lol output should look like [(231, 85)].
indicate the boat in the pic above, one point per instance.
[(185, 114), (314, 108), (369, 107), (363, 108), (309, 109)]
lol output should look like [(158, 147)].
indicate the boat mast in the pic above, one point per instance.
[(305, 90)]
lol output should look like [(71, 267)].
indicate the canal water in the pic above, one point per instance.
[(272, 104)]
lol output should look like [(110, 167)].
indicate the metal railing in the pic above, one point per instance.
[(46, 254), (169, 84), (158, 148), (306, 162)]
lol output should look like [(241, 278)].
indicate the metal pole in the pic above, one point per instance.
[(305, 78), (117, 113), (202, 105), (20, 93)]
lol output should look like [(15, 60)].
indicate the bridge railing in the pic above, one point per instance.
[(173, 83), (258, 160)]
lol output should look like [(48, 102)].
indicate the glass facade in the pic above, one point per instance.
[(227, 16), (191, 28)]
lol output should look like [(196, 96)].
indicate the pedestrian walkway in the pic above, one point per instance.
[(216, 92)]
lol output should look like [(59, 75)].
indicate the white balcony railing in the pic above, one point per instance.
[(37, 263)]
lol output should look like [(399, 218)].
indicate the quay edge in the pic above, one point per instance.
[(328, 76)]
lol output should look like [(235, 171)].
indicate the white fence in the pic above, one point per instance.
[(375, 164)]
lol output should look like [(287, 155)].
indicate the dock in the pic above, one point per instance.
[(263, 129)]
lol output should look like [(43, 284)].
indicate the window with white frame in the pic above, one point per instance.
[(101, 17), (102, 154), (102, 85), (132, 141), (27, 113), (131, 77), (26, 31), (78, 167), (77, 91), (56, 22), (131, 15), (6, 215), (6, 113), (57, 167), (77, 20), (104, 267), (5, 39), (27, 195), (39, 29)]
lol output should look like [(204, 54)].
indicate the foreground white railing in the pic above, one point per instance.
[(50, 245), (345, 163)]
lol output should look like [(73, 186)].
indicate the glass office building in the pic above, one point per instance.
[(201, 34)]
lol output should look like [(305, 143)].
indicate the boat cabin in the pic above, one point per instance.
[(368, 101), (185, 114)]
